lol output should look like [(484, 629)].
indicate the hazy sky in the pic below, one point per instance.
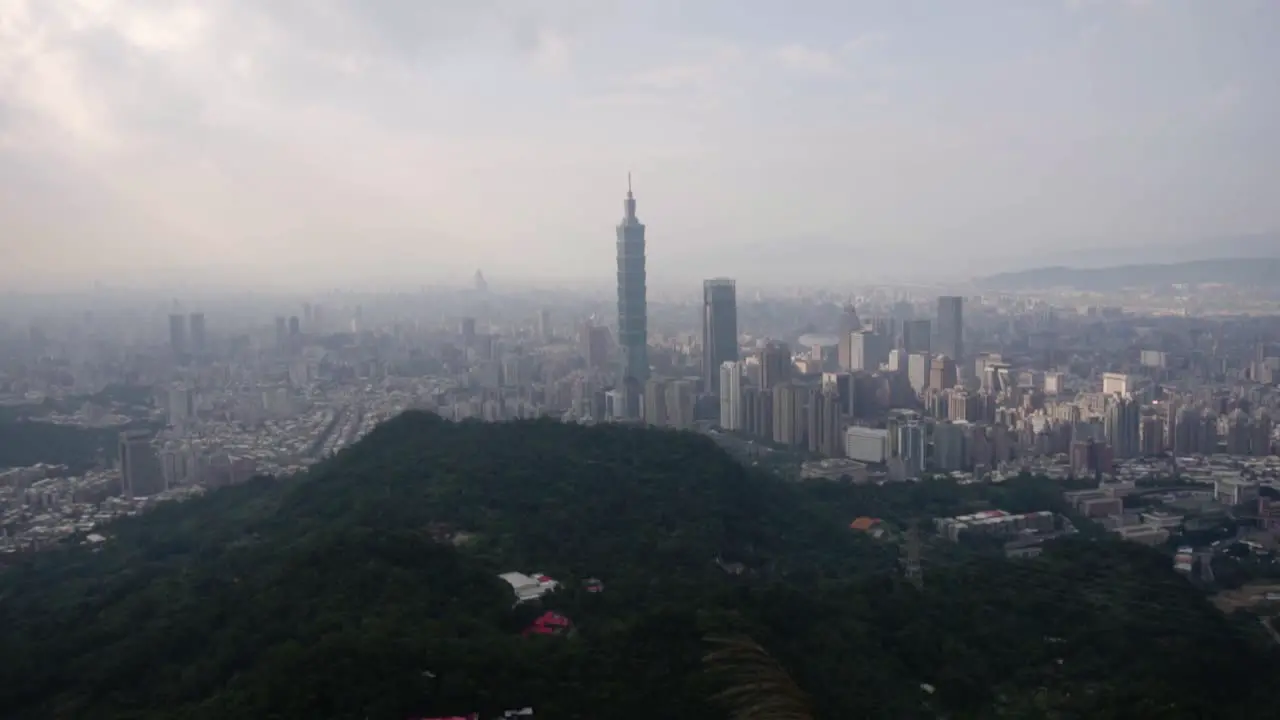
[(320, 140)]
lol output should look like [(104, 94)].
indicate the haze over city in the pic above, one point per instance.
[(300, 145)]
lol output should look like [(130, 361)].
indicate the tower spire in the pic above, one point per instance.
[(629, 206)]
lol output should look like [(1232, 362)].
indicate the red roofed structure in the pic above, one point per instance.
[(549, 623)]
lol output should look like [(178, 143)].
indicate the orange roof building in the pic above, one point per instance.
[(864, 524)]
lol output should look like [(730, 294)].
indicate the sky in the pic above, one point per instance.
[(357, 142)]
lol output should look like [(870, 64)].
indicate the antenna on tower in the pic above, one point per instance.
[(628, 182)]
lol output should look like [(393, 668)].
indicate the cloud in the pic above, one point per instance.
[(706, 66), (181, 132), (552, 52), (1078, 5), (805, 59), (802, 58)]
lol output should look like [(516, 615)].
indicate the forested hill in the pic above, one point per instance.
[(369, 589), (1242, 272)]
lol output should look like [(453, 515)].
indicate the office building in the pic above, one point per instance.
[(632, 310), (790, 416), (680, 404), (867, 351), (178, 333), (282, 331), (917, 336), (655, 402), (775, 365), (757, 412), (140, 471), (730, 392), (849, 324), (1122, 425), (198, 338), (950, 328), (824, 422), (719, 330), (869, 445), (942, 375), (842, 384), (1116, 384), (467, 329), (295, 326), (919, 366), (544, 326), (181, 404)]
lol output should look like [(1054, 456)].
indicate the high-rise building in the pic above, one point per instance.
[(1122, 425), (140, 471), (917, 336), (632, 311), (178, 333), (950, 328), (680, 404), (295, 326), (181, 403), (942, 373), (730, 393), (1117, 384), (775, 365), (544, 325), (597, 350), (790, 414), (719, 330), (282, 331), (655, 402), (198, 338), (467, 329), (849, 324), (867, 351), (825, 430), (757, 412), (919, 366)]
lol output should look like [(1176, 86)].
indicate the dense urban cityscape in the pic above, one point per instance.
[(1150, 397)]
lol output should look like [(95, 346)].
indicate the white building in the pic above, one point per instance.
[(1116, 384), (529, 587), (918, 367), (731, 396), (868, 445)]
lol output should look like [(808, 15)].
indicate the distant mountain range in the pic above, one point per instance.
[(1236, 271)]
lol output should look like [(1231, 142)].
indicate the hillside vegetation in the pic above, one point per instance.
[(368, 589), (1240, 272)]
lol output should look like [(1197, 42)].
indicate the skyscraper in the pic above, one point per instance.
[(544, 325), (197, 333), (916, 336), (719, 330), (178, 333), (950, 328), (775, 365), (731, 409), (849, 324), (632, 312), (140, 471)]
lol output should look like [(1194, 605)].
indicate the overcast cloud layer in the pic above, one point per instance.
[(345, 141)]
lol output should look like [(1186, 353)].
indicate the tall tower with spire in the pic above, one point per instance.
[(633, 336)]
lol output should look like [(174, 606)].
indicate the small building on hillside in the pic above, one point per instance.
[(549, 623), (872, 526), (529, 587)]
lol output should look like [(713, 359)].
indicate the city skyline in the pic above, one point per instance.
[(142, 145)]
